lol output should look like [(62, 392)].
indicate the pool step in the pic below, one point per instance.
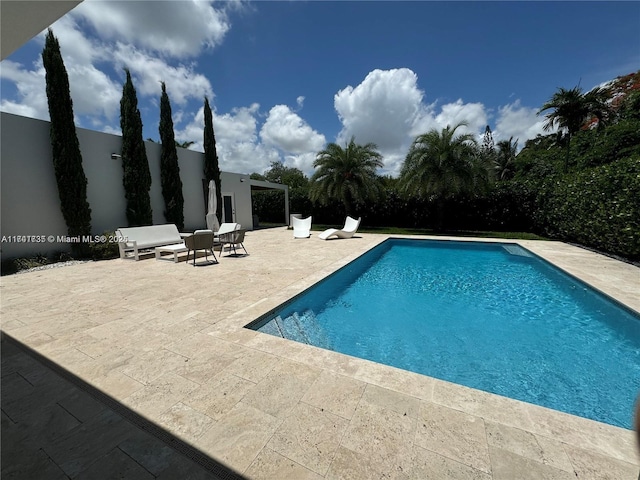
[(517, 250), (302, 328), (314, 331)]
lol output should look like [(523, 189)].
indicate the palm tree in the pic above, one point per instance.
[(441, 164), (505, 158), (571, 109), (346, 174)]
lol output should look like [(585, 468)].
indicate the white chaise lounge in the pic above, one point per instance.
[(301, 227), (135, 239), (350, 227)]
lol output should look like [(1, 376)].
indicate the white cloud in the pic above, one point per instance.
[(303, 162), (518, 122), (237, 143), (148, 71), (174, 28), (381, 109), (31, 97), (287, 131), (473, 114)]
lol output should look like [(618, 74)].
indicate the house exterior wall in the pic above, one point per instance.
[(29, 201), (238, 184)]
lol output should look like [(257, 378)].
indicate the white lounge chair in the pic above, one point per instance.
[(301, 227), (350, 227)]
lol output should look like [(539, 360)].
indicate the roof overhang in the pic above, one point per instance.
[(21, 20), (262, 185)]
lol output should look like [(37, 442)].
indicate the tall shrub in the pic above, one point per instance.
[(65, 148), (169, 168), (136, 174), (211, 167)]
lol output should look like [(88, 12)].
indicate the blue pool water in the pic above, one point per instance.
[(489, 316)]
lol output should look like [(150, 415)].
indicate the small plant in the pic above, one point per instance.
[(104, 250)]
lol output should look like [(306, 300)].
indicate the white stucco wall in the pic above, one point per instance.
[(29, 201)]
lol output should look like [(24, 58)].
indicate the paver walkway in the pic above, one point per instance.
[(167, 342)]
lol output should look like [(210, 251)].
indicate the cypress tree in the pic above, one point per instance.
[(211, 167), (65, 148), (169, 168), (136, 176)]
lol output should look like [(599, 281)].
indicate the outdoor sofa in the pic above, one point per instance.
[(135, 239)]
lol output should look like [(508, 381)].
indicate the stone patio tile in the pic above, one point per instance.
[(115, 464), (483, 404), (148, 366), (161, 394), (253, 365), (142, 340), (309, 436), (37, 339), (335, 393), (392, 400), (238, 436), (185, 422), (10, 324), (382, 438), (541, 449), (118, 385), (153, 454), (15, 387), (509, 466), (186, 327), (202, 343), (350, 465), (453, 434), (86, 443), (34, 465), (282, 389), (81, 405), (429, 464), (593, 466), (270, 465), (219, 395), (203, 367), (326, 359), (392, 378), (277, 346), (583, 433)]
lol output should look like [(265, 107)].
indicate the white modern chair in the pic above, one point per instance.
[(350, 227), (301, 227)]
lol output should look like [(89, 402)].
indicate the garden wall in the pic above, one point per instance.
[(29, 201)]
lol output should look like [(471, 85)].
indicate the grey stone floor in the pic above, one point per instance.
[(166, 342), (54, 427)]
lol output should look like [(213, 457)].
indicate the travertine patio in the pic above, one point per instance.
[(167, 341)]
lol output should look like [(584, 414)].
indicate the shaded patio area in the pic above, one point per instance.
[(155, 353)]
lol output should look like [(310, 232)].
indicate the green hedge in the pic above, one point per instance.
[(598, 207)]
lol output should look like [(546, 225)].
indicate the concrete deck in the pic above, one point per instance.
[(162, 345)]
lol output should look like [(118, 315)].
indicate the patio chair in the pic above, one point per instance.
[(232, 239), (350, 227), (200, 240), (301, 227), (226, 228)]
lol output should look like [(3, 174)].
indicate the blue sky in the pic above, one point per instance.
[(285, 78)]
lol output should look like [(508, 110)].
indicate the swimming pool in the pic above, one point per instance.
[(490, 316)]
